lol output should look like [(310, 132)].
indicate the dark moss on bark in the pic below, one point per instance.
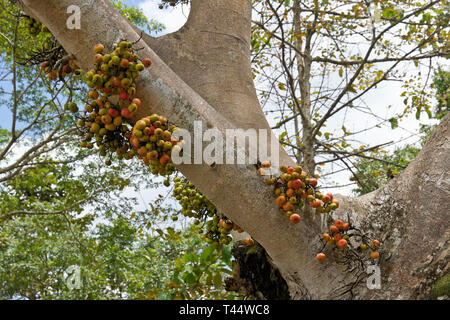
[(441, 288)]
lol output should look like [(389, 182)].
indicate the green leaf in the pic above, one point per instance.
[(189, 278), (394, 123), (217, 280), (190, 257), (419, 108), (281, 86), (352, 88), (207, 254), (171, 231), (226, 254)]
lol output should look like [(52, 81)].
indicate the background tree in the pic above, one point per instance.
[(442, 83), (117, 259), (371, 174), (186, 92)]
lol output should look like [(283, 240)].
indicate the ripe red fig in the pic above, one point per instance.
[(136, 101), (342, 243), (165, 159), (320, 257), (326, 199), (146, 62), (296, 184), (134, 141), (295, 218), (126, 113), (124, 95), (113, 112), (339, 224), (249, 241), (67, 69), (315, 203)]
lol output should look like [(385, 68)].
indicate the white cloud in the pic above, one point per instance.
[(172, 18)]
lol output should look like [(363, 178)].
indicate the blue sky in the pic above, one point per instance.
[(5, 117), (133, 2), (172, 18)]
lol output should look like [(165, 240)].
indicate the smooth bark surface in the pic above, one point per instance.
[(202, 72)]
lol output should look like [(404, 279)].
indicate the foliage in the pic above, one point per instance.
[(137, 17), (172, 3), (442, 287), (372, 174), (315, 64), (116, 261)]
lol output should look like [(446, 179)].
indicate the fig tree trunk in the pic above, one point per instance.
[(202, 72)]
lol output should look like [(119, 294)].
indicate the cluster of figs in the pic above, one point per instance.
[(294, 189), (111, 105)]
